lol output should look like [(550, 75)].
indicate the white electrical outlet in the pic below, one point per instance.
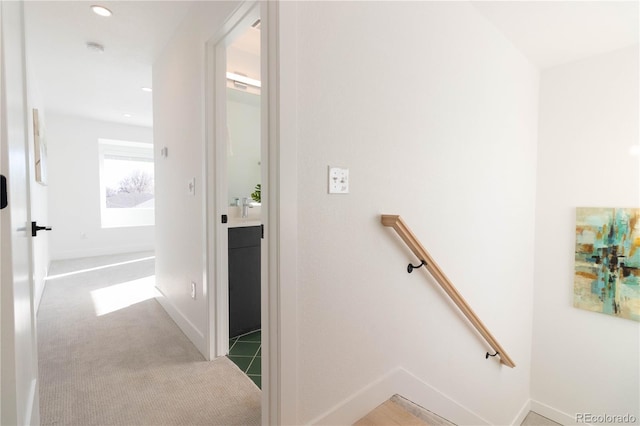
[(193, 290), (338, 180)]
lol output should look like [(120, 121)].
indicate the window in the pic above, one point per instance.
[(126, 183)]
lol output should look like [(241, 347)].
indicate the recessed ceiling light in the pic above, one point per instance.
[(127, 115), (101, 10), (147, 89)]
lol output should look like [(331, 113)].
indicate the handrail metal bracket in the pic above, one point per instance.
[(411, 267)]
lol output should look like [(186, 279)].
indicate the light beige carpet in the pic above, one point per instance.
[(131, 365)]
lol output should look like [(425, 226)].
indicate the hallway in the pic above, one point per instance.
[(109, 354)]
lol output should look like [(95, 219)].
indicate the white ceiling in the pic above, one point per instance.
[(243, 56), (550, 33), (73, 80), (248, 41)]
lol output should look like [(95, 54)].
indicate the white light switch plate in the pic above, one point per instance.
[(338, 180)]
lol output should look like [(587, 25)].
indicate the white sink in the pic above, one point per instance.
[(254, 217)]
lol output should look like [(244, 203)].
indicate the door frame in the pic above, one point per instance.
[(216, 175), (216, 200), (4, 263), (279, 205), (280, 34)]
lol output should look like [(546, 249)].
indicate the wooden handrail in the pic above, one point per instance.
[(396, 222)]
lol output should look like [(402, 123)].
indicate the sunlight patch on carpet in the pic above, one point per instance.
[(120, 296), (97, 268)]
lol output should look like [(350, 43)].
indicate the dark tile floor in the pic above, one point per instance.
[(245, 351)]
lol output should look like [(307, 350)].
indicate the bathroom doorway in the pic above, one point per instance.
[(236, 245), (245, 201)]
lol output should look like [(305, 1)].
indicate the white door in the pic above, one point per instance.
[(18, 350)]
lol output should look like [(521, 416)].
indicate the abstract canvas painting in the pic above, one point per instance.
[(607, 264)]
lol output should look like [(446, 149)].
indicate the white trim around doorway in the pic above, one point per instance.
[(279, 72), (279, 208)]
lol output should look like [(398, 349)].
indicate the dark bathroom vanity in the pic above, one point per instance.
[(244, 279)]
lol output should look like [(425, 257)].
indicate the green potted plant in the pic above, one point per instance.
[(256, 194)]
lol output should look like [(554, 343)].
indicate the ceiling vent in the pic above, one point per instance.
[(95, 47)]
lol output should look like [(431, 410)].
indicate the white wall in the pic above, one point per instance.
[(243, 165), (74, 189), (39, 191), (583, 362), (435, 114), (178, 101)]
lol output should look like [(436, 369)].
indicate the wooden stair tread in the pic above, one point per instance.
[(389, 414)]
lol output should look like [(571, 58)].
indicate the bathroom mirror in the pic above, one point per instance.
[(243, 121)]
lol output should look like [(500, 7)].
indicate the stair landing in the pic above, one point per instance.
[(389, 414), (401, 412), (398, 411)]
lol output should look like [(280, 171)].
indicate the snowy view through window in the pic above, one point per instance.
[(128, 182)]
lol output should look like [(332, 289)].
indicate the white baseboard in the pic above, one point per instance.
[(191, 331), (32, 410), (40, 289), (519, 418), (398, 381), (554, 414), (355, 407), (38, 296)]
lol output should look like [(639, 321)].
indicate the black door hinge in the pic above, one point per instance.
[(4, 198)]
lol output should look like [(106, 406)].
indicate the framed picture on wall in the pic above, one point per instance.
[(40, 149), (607, 262)]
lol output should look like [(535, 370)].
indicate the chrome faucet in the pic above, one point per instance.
[(246, 205)]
